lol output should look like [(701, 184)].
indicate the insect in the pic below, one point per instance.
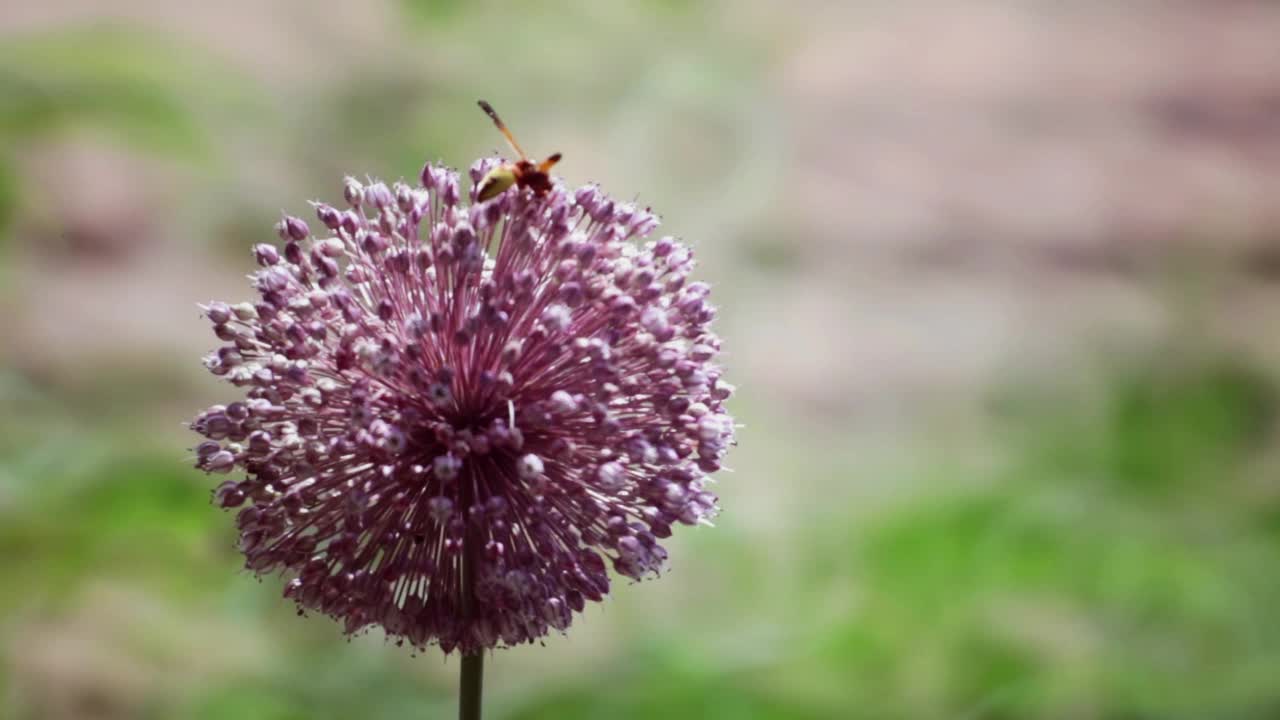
[(521, 173)]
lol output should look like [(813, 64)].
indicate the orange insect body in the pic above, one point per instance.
[(522, 173)]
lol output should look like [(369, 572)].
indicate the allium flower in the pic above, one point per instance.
[(458, 416)]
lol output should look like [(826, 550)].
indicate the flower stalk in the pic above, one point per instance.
[(470, 686)]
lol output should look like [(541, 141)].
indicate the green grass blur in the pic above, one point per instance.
[(1108, 552), (1117, 562)]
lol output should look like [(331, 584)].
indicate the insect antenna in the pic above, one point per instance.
[(502, 128)]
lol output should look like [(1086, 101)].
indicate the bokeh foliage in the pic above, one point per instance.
[(1116, 560), (136, 89), (1117, 564)]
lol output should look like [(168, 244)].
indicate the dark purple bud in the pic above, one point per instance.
[(266, 254), (329, 216), (295, 228), (218, 312)]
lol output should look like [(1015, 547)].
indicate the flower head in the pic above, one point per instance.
[(458, 416)]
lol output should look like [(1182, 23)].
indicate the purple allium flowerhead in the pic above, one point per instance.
[(527, 383)]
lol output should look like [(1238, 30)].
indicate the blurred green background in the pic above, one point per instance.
[(998, 282)]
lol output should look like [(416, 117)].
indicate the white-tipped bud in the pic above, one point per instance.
[(611, 477), (511, 351), (556, 317), (562, 402), (529, 466), (353, 191), (245, 311)]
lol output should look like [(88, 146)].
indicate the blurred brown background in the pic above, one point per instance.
[(997, 281)]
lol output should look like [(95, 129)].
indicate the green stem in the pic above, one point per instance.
[(469, 687)]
